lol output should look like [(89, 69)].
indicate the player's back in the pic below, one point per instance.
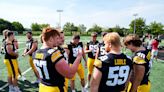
[(115, 70), (45, 60)]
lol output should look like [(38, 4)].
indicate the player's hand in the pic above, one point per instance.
[(17, 55), (24, 55)]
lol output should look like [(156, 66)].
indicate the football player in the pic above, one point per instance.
[(31, 47), (141, 64), (10, 61), (101, 47), (111, 72), (91, 50), (73, 48), (51, 64)]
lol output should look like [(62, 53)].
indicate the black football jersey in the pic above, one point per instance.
[(44, 61), (29, 45), (7, 55), (115, 70), (102, 51), (92, 46), (143, 58), (64, 53), (74, 51)]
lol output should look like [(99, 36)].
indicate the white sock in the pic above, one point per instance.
[(73, 90), (11, 86), (83, 89)]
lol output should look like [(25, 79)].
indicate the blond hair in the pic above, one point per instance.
[(5, 32), (113, 38)]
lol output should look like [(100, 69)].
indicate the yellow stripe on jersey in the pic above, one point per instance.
[(55, 56), (39, 55), (138, 60), (148, 55), (98, 63)]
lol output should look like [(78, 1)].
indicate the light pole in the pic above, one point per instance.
[(135, 22), (59, 11)]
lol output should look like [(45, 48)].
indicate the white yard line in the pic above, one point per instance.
[(1, 88)]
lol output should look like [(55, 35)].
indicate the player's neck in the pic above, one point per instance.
[(47, 45), (94, 41), (139, 49), (115, 51)]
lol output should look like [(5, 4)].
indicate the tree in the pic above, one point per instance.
[(18, 27), (139, 26), (4, 24), (44, 25), (69, 27), (82, 28), (156, 28), (35, 27), (95, 28), (118, 30)]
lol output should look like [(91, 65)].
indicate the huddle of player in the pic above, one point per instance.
[(109, 70)]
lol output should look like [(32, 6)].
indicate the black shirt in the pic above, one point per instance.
[(115, 70)]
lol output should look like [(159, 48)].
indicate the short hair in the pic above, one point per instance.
[(113, 38), (29, 32), (49, 32), (76, 36), (132, 39), (9, 33), (94, 34), (104, 33)]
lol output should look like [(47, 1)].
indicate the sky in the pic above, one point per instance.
[(106, 13)]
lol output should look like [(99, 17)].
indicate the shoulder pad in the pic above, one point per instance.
[(56, 55), (103, 58), (140, 54), (50, 51), (138, 60)]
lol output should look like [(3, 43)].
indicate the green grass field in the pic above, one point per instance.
[(156, 76)]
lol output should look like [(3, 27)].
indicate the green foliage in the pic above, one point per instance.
[(156, 28), (35, 27), (18, 27), (38, 27), (82, 28), (118, 29), (139, 26), (70, 27), (95, 28), (4, 24)]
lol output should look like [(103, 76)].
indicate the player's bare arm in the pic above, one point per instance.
[(95, 80), (10, 51), (33, 48), (139, 71), (64, 69)]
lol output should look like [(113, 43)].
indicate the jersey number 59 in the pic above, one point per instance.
[(117, 75)]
